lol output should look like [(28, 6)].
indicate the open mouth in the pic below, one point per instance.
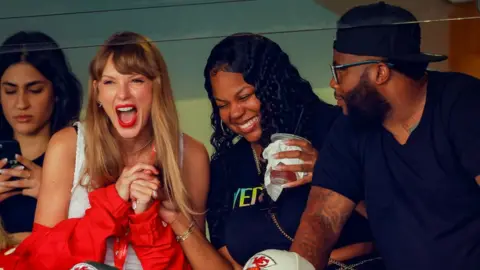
[(249, 125), (127, 115)]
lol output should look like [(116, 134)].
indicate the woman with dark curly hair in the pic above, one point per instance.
[(255, 92), (39, 95)]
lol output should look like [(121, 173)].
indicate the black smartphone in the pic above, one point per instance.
[(8, 149)]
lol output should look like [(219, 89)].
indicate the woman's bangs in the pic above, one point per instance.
[(133, 59), (129, 59)]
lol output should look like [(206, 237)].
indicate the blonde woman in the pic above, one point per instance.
[(109, 182)]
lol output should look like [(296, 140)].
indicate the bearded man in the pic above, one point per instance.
[(409, 145)]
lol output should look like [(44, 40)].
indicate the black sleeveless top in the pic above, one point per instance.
[(18, 212)]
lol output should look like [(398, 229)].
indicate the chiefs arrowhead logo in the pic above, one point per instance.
[(259, 262)]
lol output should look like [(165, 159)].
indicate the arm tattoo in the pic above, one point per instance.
[(321, 224)]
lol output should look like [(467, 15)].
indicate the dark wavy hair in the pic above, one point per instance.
[(287, 100), (43, 53)]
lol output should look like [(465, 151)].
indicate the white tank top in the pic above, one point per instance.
[(79, 202)]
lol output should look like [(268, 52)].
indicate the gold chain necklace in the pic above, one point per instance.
[(274, 217), (257, 162)]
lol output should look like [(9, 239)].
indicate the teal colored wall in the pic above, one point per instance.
[(191, 32)]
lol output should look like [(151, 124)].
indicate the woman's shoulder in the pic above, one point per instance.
[(193, 148), (195, 168), (65, 136), (63, 143), (195, 155)]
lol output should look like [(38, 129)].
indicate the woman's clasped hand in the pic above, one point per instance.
[(140, 184)]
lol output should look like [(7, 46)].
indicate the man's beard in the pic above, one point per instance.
[(367, 108)]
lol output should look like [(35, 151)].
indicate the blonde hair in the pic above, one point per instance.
[(133, 53)]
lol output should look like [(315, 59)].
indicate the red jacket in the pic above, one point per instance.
[(84, 239)]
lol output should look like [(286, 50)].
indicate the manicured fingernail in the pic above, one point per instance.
[(4, 160), (17, 156), (275, 155), (19, 168)]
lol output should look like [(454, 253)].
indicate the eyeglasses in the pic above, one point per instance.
[(334, 68)]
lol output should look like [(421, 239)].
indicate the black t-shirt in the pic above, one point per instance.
[(18, 211), (422, 200), (238, 220)]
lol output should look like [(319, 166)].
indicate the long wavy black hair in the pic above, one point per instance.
[(43, 53), (288, 103)]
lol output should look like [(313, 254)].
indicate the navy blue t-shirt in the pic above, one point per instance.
[(18, 212), (238, 220), (422, 200)]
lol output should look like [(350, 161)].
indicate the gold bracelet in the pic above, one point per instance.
[(186, 234)]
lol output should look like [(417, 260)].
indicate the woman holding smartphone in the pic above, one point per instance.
[(39, 95)]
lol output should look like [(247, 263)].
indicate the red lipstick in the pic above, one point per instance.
[(127, 115)]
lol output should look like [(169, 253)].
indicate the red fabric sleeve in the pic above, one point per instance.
[(155, 244), (72, 240)]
